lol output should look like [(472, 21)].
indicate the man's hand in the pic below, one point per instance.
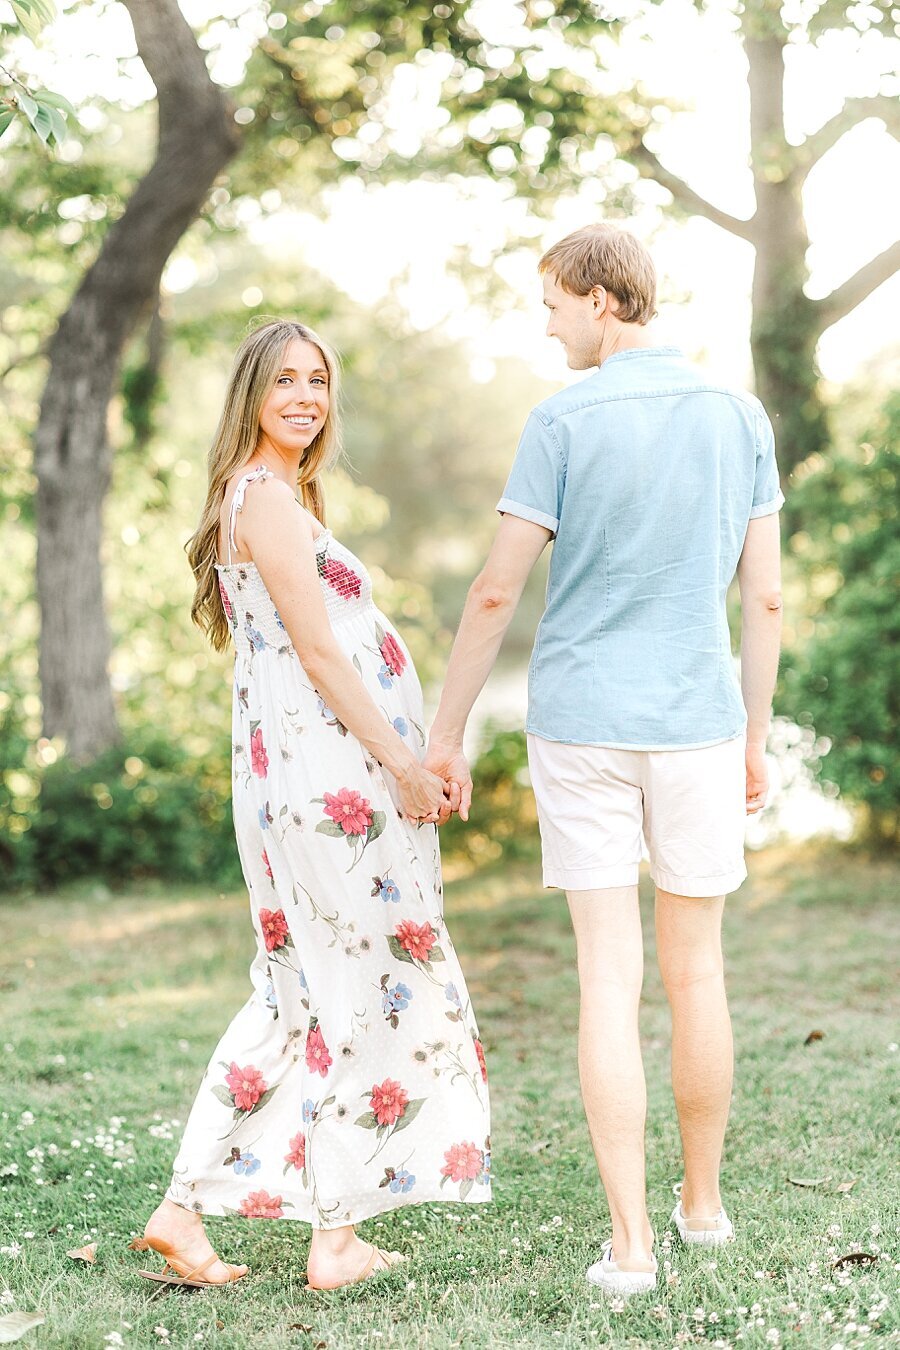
[(757, 778), (446, 759)]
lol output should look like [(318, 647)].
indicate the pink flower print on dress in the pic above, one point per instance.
[(392, 654), (245, 1085), (226, 603), (268, 866), (297, 1155), (259, 760), (417, 939), (479, 1051), (339, 577), (463, 1162), (262, 1205), (318, 1058), (274, 927), (350, 810), (388, 1102)]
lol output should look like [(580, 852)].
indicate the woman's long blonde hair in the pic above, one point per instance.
[(257, 364)]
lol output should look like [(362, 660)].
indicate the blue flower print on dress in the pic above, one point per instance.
[(387, 888), (401, 1182), (309, 1110), (394, 1001), (385, 678), (452, 994), (270, 997), (244, 1164), (401, 726), (254, 636), (397, 999), (278, 620)]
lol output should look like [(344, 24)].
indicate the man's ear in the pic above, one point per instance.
[(602, 300)]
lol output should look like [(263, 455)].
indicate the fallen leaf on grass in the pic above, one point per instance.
[(220, 1326), (847, 1185), (814, 1036), (14, 1325), (88, 1253), (808, 1181), (854, 1259), (300, 1326)]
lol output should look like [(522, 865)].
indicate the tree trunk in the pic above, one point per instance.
[(786, 326), (72, 455)]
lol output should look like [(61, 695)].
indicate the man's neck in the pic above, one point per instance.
[(624, 337)]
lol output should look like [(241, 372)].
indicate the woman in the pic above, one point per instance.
[(353, 1080)]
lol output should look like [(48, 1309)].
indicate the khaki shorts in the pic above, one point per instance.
[(595, 804)]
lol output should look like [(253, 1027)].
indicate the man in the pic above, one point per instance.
[(656, 485)]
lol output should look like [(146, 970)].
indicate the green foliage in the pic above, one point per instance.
[(44, 111), (18, 787), (145, 809), (528, 110), (842, 677), (503, 820)]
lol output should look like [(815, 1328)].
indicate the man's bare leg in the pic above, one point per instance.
[(607, 927), (689, 949)]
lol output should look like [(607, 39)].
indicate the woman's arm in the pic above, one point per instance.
[(277, 533)]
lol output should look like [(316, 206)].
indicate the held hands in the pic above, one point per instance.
[(426, 797), (446, 758), (757, 778)]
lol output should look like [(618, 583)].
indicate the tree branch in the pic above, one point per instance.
[(855, 289), (649, 166), (854, 111)]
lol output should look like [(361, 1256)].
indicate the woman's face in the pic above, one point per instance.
[(296, 407)]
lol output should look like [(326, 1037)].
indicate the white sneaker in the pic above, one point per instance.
[(704, 1231), (607, 1274)]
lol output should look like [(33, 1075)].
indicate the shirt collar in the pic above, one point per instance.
[(630, 353)]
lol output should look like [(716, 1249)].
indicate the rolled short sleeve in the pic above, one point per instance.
[(767, 494), (534, 489)]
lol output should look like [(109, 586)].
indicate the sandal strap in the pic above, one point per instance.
[(374, 1253), (198, 1270)]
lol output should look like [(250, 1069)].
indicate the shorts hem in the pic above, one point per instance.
[(591, 878), (645, 748), (699, 888)]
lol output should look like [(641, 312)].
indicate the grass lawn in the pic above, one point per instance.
[(111, 1005)]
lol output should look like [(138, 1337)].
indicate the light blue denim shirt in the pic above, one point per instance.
[(648, 474)]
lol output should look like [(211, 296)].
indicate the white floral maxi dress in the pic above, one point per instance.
[(353, 1080)]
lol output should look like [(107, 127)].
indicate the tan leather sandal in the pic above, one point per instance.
[(370, 1268), (188, 1278)]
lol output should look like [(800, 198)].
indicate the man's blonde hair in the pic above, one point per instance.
[(601, 255)]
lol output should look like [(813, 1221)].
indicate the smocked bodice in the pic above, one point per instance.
[(255, 622)]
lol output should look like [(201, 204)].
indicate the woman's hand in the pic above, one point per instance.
[(423, 795)]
